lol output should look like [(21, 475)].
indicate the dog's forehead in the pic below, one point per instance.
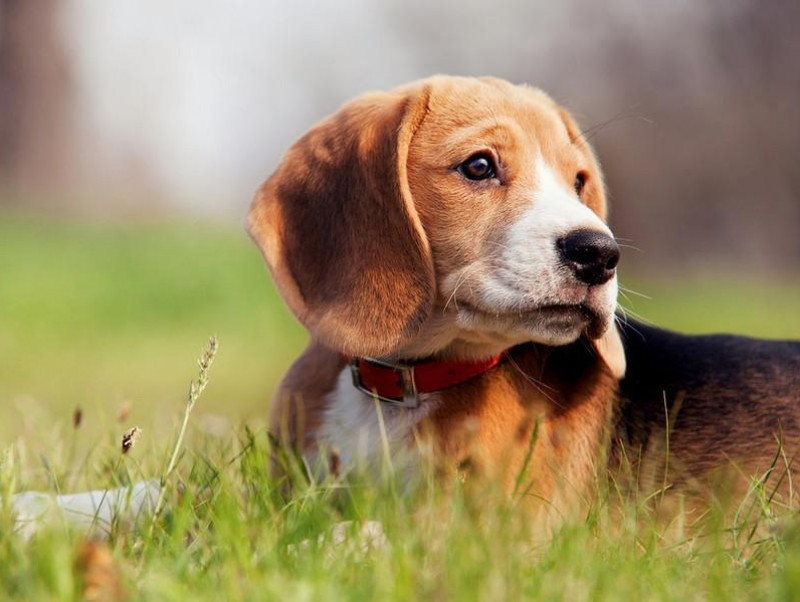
[(457, 103)]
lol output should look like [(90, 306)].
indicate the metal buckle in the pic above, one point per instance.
[(410, 398)]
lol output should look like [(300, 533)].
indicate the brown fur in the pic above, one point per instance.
[(300, 400), (486, 427), (342, 189), (564, 394)]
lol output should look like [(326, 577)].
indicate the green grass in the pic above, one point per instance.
[(101, 316)]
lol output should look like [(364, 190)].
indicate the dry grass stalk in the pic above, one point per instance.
[(196, 389), (130, 438)]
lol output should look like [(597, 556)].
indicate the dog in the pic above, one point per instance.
[(445, 244)]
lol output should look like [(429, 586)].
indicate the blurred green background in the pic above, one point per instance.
[(109, 317)]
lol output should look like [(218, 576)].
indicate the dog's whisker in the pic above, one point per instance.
[(452, 296), (625, 289), (621, 320), (626, 324), (625, 296), (621, 116), (639, 317), (459, 282), (534, 382), (499, 244)]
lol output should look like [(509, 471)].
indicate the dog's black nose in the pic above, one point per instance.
[(592, 255)]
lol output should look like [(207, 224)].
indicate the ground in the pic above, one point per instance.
[(100, 326)]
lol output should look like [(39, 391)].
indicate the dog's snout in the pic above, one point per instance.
[(592, 255)]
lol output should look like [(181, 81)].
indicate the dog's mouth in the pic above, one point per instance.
[(567, 313), (570, 316), (566, 318)]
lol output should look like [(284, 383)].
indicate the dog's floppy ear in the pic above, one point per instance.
[(610, 348), (337, 226)]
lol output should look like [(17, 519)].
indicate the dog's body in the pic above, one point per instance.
[(710, 402), (559, 400), (723, 401), (459, 219)]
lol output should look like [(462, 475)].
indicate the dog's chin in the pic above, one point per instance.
[(549, 324)]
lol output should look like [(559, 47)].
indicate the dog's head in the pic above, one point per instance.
[(450, 214)]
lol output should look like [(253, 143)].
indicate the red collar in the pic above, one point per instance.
[(401, 384)]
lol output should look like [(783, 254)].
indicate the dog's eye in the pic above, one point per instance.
[(479, 166), (580, 182)]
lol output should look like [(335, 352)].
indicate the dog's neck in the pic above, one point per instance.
[(441, 338), (458, 349)]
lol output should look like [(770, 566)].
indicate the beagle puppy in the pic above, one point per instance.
[(445, 244)]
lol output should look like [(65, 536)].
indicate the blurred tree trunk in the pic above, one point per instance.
[(36, 141)]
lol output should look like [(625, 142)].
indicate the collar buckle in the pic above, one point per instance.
[(410, 399)]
